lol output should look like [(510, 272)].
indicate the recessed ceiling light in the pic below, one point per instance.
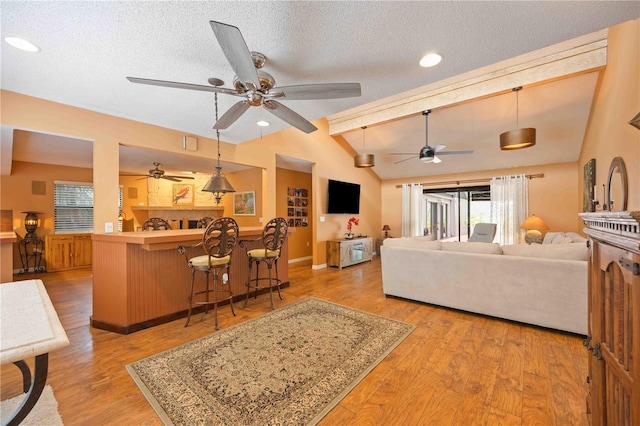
[(22, 44), (430, 59), (263, 123)]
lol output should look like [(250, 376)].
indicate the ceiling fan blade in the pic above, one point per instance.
[(171, 178), (230, 117), (188, 86), (237, 53), (454, 152), (439, 148), (176, 177), (132, 175), (406, 159), (290, 116), (319, 91), (436, 160)]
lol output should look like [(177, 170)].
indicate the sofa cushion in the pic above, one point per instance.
[(569, 251), (466, 247), (563, 237), (413, 242)]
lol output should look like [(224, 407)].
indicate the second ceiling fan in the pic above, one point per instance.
[(427, 154), (257, 87)]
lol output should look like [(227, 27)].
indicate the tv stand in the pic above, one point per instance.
[(343, 252)]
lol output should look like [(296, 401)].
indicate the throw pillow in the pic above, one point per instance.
[(549, 237)]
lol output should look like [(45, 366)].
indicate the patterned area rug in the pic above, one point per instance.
[(290, 366)]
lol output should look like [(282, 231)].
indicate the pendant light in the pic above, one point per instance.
[(218, 184), (364, 160), (518, 138)]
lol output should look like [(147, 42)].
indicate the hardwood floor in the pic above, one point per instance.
[(455, 368)]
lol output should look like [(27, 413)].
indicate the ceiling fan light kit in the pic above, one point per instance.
[(518, 138), (364, 160), (255, 86)]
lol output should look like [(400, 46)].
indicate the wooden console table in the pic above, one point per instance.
[(29, 327), (342, 253)]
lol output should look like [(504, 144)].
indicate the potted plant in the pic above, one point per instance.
[(352, 221)]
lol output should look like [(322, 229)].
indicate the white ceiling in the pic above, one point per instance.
[(88, 48)]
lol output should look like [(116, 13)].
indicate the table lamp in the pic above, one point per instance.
[(31, 224), (386, 230), (533, 224)]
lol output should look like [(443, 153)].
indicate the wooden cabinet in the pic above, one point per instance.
[(614, 317), (67, 251), (343, 253)]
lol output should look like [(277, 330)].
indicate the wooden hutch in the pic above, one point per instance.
[(614, 317)]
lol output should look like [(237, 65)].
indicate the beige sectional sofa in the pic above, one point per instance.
[(540, 284)]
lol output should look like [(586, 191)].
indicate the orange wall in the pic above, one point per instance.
[(330, 159), (553, 197), (301, 237), (616, 102), (16, 195)]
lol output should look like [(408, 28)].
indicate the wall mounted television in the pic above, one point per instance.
[(343, 197)]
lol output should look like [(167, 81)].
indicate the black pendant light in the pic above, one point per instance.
[(218, 184)]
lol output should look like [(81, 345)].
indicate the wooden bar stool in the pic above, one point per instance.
[(273, 236), (218, 241)]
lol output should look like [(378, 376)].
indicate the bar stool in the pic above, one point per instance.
[(273, 236), (218, 241), (155, 224)]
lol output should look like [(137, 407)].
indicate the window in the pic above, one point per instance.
[(73, 207)]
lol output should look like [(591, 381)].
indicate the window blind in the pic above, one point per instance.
[(73, 207)]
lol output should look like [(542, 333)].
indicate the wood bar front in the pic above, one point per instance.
[(140, 280)]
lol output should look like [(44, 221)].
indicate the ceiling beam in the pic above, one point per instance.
[(577, 56)]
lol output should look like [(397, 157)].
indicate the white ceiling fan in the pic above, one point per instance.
[(427, 154), (257, 87)]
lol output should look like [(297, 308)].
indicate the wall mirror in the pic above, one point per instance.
[(616, 196)]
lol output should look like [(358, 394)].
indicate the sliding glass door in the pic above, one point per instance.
[(451, 213)]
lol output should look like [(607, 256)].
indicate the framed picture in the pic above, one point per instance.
[(588, 189), (244, 203), (182, 194)]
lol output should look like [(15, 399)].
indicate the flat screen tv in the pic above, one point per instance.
[(343, 197)]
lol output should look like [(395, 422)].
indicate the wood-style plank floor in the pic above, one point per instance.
[(455, 368)]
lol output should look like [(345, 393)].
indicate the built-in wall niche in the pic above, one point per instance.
[(297, 207)]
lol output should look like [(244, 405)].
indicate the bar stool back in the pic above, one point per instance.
[(218, 241), (155, 224), (273, 236)]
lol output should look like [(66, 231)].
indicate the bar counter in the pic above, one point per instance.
[(140, 280)]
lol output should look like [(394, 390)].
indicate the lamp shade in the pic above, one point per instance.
[(534, 222), (218, 185), (364, 160), (386, 228), (517, 139)]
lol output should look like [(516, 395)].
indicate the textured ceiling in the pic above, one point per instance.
[(88, 48)]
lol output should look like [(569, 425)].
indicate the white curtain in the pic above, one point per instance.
[(412, 209), (509, 207)]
